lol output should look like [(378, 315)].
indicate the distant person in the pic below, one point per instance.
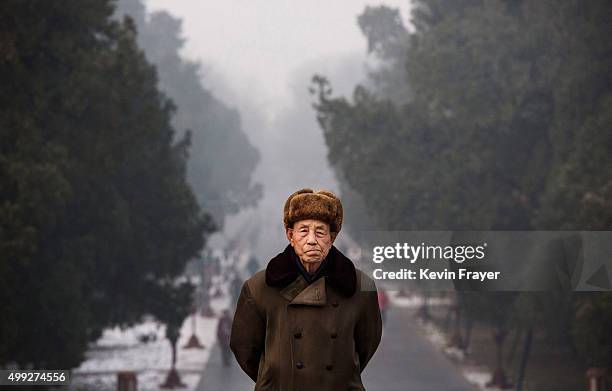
[(383, 303), (310, 320), (224, 329)]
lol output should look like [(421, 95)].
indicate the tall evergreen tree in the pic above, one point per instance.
[(94, 202)]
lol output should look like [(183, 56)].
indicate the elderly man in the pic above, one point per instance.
[(311, 320)]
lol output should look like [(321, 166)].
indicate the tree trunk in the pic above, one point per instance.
[(448, 320), (514, 347), (526, 350), (456, 339), (499, 377), (173, 380), (468, 332), (173, 353), (423, 312)]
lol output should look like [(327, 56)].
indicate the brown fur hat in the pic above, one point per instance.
[(321, 205)]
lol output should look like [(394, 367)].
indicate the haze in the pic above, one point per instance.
[(259, 56)]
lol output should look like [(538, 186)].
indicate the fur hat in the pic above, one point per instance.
[(306, 204)]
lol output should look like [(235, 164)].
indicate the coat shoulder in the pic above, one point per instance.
[(257, 283), (257, 278), (364, 281)]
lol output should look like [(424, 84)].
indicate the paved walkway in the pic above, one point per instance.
[(405, 361)]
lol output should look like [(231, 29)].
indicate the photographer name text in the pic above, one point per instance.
[(427, 274), (413, 253)]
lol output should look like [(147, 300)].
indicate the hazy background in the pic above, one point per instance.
[(259, 56)]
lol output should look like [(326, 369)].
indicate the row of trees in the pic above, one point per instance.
[(97, 219), (486, 115), (222, 160)]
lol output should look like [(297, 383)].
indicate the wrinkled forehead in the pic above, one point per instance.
[(311, 223)]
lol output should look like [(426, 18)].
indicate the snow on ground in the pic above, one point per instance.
[(436, 336), (121, 350), (413, 300), (480, 377)]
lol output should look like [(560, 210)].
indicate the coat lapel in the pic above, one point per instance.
[(299, 292), (292, 290), (313, 294)]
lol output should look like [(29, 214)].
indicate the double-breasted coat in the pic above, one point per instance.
[(289, 335)]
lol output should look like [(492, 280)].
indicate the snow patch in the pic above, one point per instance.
[(124, 350), (413, 301)]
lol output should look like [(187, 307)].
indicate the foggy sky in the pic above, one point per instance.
[(256, 44)]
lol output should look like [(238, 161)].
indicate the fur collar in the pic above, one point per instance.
[(339, 270)]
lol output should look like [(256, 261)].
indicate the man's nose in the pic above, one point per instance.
[(311, 239)]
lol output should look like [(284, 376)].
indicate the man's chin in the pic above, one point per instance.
[(313, 259)]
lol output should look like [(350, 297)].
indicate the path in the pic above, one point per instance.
[(405, 361)]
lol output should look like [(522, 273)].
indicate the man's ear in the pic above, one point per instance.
[(289, 233), (333, 236)]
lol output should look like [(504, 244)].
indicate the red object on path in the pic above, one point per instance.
[(126, 381), (383, 299)]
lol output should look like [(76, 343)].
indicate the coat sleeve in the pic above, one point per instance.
[(248, 333), (368, 330)]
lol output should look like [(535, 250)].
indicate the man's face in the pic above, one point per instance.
[(311, 240)]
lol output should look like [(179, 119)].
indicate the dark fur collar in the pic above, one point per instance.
[(339, 270)]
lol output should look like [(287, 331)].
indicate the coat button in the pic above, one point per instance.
[(329, 367), (335, 304), (299, 365), (334, 335), (297, 335)]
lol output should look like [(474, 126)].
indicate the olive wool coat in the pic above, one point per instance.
[(288, 335)]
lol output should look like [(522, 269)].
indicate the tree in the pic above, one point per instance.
[(94, 202), (507, 127), (591, 328), (222, 159), (171, 304), (388, 43)]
